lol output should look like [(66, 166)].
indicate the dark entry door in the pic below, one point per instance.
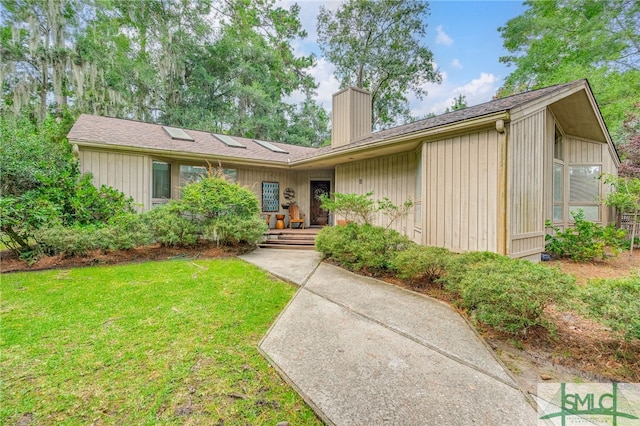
[(319, 216)]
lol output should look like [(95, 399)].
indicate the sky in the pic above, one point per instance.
[(464, 39)]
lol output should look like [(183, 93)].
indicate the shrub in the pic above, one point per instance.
[(361, 208), (170, 226), (334, 242), (214, 197), (585, 241), (91, 205), (460, 265), (67, 241), (422, 264), (123, 232), (22, 216), (615, 302), (41, 184), (510, 295), (367, 248), (351, 206), (231, 230)]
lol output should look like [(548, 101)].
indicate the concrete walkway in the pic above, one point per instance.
[(363, 352)]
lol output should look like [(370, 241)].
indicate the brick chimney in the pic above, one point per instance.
[(350, 116)]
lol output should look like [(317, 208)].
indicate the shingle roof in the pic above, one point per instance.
[(135, 134), (487, 108), (119, 132)]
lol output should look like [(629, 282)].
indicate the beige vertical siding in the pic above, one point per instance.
[(461, 197), (525, 186), (549, 143), (392, 176), (351, 115), (583, 152), (129, 173), (299, 181)]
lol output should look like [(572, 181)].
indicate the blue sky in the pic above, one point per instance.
[(463, 36)]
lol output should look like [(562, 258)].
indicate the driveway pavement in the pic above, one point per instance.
[(364, 352)]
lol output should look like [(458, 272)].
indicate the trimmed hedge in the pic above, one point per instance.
[(365, 248), (614, 302)]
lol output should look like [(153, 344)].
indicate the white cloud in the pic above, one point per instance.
[(440, 96), (456, 64), (443, 38)]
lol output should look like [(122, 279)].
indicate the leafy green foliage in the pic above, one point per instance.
[(460, 265), (460, 102), (42, 185), (210, 209), (630, 150), (559, 41), (233, 231), (376, 45), (511, 295), (626, 194), (350, 206), (362, 208), (122, 232), (214, 197), (366, 248), (421, 264), (171, 225), (615, 302), (155, 60), (585, 241)]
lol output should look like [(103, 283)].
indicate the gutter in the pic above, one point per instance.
[(486, 121), (164, 153)]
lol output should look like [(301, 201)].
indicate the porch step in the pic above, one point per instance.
[(290, 238)]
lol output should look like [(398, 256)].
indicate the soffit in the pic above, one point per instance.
[(577, 117)]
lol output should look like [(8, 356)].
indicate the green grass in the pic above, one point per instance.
[(154, 343)]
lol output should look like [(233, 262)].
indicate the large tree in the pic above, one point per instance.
[(556, 41), (224, 66), (35, 53), (376, 45)]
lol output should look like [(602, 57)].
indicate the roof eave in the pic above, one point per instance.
[(184, 155), (431, 133)]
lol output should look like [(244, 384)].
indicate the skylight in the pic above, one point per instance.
[(229, 141), (177, 134), (270, 146)]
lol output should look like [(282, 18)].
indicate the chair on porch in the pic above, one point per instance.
[(294, 216), (267, 218)]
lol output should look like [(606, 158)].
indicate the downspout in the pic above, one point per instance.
[(502, 187)]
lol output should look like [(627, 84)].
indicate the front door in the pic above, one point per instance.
[(319, 216)]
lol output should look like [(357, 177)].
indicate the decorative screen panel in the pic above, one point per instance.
[(270, 196)]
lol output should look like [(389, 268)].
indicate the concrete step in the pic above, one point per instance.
[(290, 238), (286, 246)]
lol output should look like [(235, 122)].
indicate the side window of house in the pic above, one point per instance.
[(584, 190), (161, 182), (190, 174), (558, 178)]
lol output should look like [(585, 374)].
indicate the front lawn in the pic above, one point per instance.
[(169, 342)]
